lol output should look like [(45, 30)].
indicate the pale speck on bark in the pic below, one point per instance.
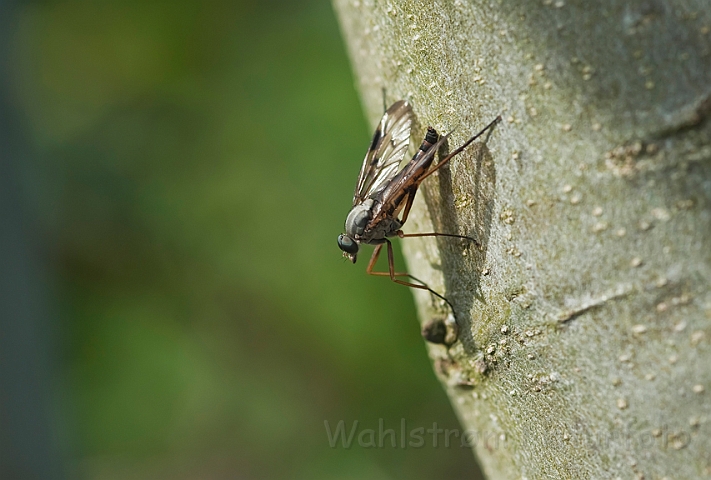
[(592, 202)]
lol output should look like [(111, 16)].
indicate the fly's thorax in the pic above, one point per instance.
[(387, 227), (358, 218)]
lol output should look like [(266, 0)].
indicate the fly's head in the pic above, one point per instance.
[(349, 246)]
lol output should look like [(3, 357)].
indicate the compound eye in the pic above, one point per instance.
[(347, 244)]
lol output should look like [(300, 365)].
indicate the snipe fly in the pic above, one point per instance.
[(384, 193)]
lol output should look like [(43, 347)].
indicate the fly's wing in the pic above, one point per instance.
[(390, 142)]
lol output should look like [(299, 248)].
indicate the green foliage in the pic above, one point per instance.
[(196, 162)]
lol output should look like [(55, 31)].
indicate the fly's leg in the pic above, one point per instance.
[(406, 212), (401, 234), (393, 274), (408, 206), (446, 159)]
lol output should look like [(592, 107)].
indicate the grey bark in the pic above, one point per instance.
[(585, 315)]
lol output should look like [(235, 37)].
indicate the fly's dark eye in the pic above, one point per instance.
[(347, 244)]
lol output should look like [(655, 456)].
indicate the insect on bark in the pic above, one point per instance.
[(384, 193)]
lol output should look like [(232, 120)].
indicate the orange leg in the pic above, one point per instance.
[(408, 206), (401, 234), (406, 212), (392, 273)]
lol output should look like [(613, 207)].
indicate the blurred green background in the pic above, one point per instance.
[(191, 165)]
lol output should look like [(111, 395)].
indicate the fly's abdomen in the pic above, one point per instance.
[(431, 138)]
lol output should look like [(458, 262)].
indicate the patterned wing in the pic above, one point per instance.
[(390, 142)]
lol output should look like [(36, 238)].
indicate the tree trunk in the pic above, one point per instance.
[(585, 315)]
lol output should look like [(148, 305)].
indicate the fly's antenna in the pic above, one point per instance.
[(385, 102)]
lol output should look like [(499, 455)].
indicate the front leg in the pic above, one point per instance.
[(393, 274)]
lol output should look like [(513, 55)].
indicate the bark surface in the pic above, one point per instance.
[(585, 316)]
